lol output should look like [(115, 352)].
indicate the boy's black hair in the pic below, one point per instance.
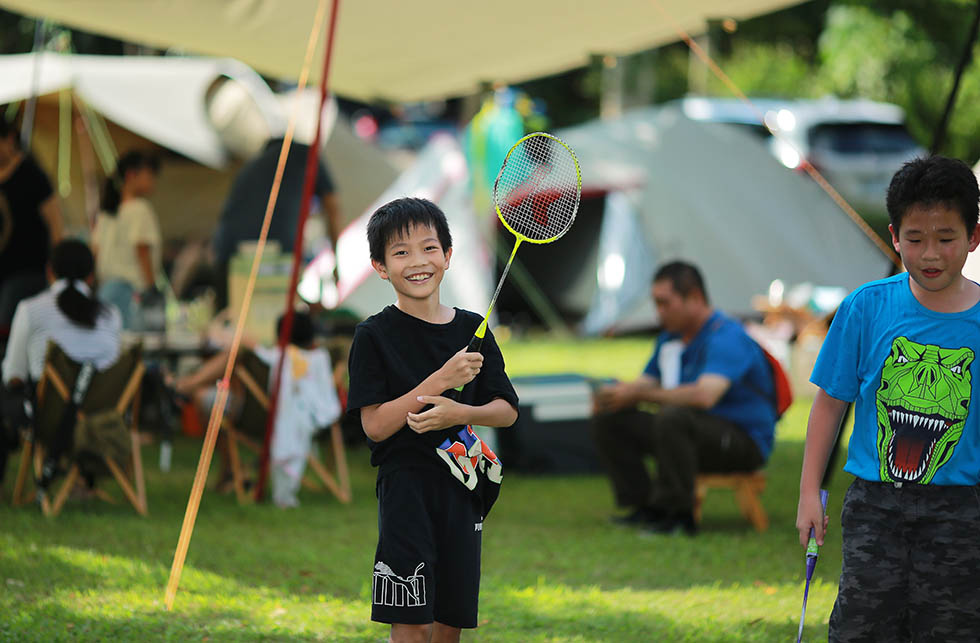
[(395, 218), (303, 332), (684, 277), (936, 180)]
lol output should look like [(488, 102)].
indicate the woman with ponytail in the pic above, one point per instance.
[(68, 314), (127, 239)]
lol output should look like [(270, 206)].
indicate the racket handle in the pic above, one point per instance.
[(473, 347), (811, 547)]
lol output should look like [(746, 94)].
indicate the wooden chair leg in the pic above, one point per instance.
[(17, 498), (700, 491), (138, 470), (59, 500), (338, 485), (309, 483), (127, 488), (104, 496), (747, 495), (324, 474), (236, 467)]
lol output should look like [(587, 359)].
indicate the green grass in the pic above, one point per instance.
[(554, 569)]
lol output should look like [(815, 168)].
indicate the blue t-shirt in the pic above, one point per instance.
[(722, 347), (910, 371)]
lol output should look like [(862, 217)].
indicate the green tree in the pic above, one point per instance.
[(905, 57)]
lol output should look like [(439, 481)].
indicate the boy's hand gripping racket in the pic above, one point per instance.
[(811, 563), (536, 196)]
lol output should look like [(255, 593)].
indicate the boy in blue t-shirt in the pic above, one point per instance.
[(904, 350), (436, 478)]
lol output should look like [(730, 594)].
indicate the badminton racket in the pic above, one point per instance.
[(811, 564), (536, 195)]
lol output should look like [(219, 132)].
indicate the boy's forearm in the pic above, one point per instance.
[(384, 420), (497, 413), (821, 432)]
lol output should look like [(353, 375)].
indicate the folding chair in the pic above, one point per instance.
[(118, 388), (250, 375)]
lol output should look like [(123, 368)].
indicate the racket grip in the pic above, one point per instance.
[(811, 548), (473, 347)]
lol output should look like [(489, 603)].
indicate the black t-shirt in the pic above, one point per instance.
[(24, 236), (392, 353)]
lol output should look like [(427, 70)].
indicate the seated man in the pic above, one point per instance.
[(716, 410)]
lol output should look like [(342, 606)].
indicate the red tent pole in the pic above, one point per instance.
[(312, 159)]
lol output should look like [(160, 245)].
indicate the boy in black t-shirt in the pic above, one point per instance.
[(436, 478)]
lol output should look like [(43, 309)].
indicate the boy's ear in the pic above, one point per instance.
[(380, 269), (449, 253), (895, 243), (975, 238)]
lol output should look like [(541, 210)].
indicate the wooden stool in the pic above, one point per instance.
[(747, 487)]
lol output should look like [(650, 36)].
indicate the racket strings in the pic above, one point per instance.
[(537, 191)]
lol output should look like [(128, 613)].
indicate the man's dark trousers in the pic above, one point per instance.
[(684, 441)]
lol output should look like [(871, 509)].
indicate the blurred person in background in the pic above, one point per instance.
[(66, 313), (244, 209), (127, 240), (30, 224), (307, 402)]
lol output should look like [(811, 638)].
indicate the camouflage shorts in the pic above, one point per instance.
[(911, 564)]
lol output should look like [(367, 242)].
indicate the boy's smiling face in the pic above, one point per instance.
[(934, 244), (415, 263)]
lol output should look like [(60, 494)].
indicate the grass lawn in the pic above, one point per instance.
[(554, 569)]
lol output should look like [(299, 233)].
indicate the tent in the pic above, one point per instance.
[(708, 193), (201, 108), (439, 174), (402, 50), (161, 98)]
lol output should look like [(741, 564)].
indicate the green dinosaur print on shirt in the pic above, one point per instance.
[(922, 405)]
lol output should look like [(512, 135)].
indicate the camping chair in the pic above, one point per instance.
[(250, 375), (116, 388)]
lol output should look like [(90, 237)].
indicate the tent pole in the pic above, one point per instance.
[(939, 137), (312, 159), (27, 126)]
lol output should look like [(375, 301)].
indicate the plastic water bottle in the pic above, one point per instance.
[(166, 453)]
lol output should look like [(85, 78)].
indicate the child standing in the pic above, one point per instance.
[(436, 479), (904, 349)]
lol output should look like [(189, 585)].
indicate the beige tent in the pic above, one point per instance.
[(160, 103), (401, 50)]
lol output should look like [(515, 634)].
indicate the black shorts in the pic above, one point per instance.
[(427, 565)]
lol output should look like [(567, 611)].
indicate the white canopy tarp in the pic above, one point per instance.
[(713, 195), (401, 50), (162, 98)]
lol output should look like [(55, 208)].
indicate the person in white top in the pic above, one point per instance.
[(87, 329), (126, 239), (67, 314), (307, 402)]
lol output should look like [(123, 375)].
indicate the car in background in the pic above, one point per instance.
[(857, 145)]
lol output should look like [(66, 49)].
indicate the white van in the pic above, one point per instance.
[(857, 145)]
